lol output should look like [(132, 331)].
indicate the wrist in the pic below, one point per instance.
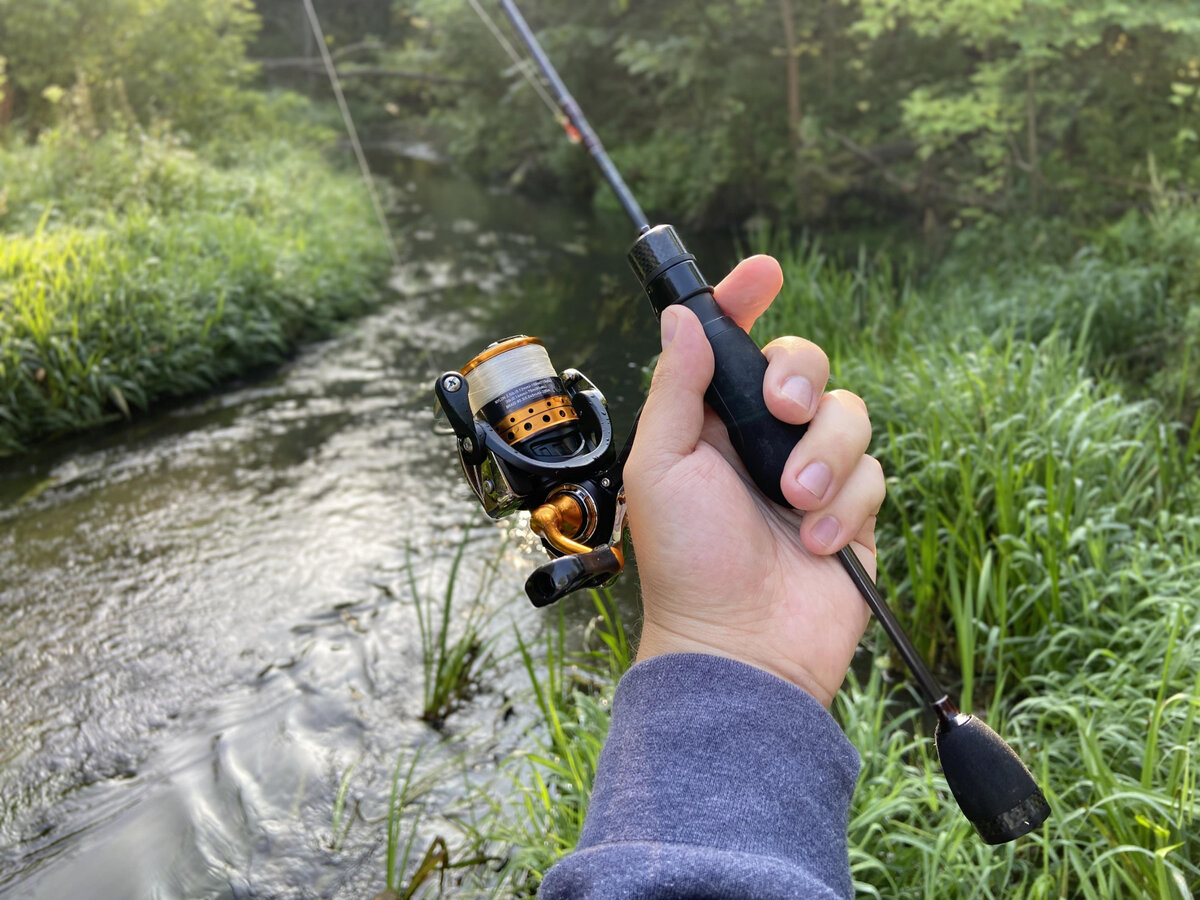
[(659, 640)]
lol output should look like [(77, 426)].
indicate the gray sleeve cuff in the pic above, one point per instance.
[(719, 775)]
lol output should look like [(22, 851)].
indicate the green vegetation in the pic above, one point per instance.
[(154, 273), (834, 111), (167, 228), (126, 63), (1043, 525), (454, 649), (571, 691)]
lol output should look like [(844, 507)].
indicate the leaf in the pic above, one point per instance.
[(119, 399)]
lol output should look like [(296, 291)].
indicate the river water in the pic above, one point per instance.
[(204, 616)]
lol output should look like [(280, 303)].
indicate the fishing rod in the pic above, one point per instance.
[(530, 438)]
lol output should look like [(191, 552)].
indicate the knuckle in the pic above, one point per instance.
[(875, 467), (878, 482), (850, 401)]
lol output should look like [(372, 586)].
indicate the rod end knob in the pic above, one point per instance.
[(992, 786)]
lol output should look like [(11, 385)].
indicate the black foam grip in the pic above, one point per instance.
[(763, 442), (669, 275), (989, 781)]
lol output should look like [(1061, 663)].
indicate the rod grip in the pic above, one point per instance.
[(669, 275)]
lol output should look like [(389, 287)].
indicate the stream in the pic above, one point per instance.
[(205, 619)]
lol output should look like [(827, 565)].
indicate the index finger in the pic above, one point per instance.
[(746, 292)]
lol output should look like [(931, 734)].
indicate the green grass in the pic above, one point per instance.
[(1040, 540), (455, 651), (134, 270), (540, 822)]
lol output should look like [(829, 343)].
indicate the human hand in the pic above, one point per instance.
[(723, 570)]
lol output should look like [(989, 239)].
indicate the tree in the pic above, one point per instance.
[(1050, 97), (181, 60), (835, 110)]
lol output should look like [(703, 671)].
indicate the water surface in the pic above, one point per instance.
[(204, 617)]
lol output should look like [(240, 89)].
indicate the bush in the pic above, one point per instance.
[(137, 270)]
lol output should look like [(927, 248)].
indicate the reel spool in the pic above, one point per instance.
[(513, 387), (530, 438)]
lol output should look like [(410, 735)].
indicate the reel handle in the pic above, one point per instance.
[(669, 275)]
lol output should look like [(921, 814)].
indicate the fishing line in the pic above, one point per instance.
[(351, 131), (503, 373), (522, 66)]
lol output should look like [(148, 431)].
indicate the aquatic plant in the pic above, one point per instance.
[(455, 652)]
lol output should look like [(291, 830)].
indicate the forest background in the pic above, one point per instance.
[(1006, 195)]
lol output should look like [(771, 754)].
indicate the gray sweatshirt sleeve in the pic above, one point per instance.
[(718, 780)]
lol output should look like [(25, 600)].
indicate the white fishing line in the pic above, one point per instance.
[(522, 64), (497, 376)]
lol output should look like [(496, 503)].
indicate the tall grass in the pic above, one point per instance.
[(133, 270), (455, 651), (1040, 537), (571, 689)]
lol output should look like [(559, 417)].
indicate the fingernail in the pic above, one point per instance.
[(669, 322), (815, 479), (799, 390), (826, 531)]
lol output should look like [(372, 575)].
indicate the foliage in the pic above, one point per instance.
[(1050, 91), (136, 270), (1122, 295), (129, 62), (1043, 526), (837, 110)]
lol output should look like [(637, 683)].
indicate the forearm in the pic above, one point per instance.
[(717, 779)]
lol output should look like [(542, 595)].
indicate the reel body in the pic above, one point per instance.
[(530, 438)]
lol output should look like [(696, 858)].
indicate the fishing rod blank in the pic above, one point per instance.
[(991, 784)]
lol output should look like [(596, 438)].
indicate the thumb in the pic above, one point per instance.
[(674, 412)]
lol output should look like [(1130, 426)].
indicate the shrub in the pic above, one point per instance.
[(140, 271)]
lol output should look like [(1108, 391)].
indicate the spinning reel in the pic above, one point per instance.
[(532, 439)]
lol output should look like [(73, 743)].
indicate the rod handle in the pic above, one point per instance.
[(669, 275)]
